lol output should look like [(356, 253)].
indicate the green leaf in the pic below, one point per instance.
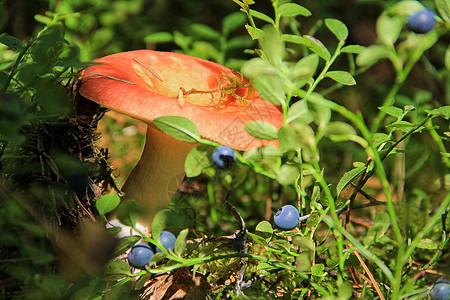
[(107, 203), (270, 88), (116, 269), (401, 125), (157, 257), (168, 219), (299, 110), (255, 33), (337, 28), (379, 138), (261, 16), (405, 8), (345, 291), (11, 42), (305, 68), (264, 229), (342, 77), (288, 174), (178, 127), (443, 7), (379, 228), (256, 67), (443, 111), (262, 130), (233, 21), (348, 178), (292, 10), (128, 212), (316, 46), (313, 220), (338, 128), (271, 45), (317, 270), (392, 111), (291, 38), (258, 239), (372, 54), (296, 136), (124, 244), (180, 243), (427, 244), (204, 31), (197, 160), (159, 37), (311, 42), (389, 28), (240, 42), (353, 49)]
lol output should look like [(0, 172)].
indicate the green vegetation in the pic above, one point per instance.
[(362, 153)]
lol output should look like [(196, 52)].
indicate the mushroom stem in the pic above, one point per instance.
[(157, 175)]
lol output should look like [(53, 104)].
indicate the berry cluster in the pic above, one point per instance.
[(141, 254)]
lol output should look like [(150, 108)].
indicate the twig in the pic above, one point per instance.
[(112, 77), (374, 283), (153, 72)]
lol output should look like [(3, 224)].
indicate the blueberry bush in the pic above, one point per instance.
[(353, 203)]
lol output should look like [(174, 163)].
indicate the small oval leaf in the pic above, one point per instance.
[(292, 10), (342, 77), (261, 130), (178, 127), (337, 28), (107, 203)]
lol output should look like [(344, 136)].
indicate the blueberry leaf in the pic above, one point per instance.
[(180, 128), (342, 77), (443, 111), (261, 16), (107, 203), (159, 37), (337, 28), (353, 49), (349, 177), (11, 42), (443, 7), (197, 160), (389, 28), (269, 89), (392, 111), (292, 10), (316, 46), (180, 243), (255, 33), (127, 213), (233, 21), (261, 130), (372, 54)]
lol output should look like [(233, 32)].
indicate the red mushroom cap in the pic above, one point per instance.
[(145, 85)]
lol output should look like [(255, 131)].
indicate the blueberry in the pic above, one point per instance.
[(224, 157), (287, 217), (440, 291), (140, 256), (422, 21), (167, 239)]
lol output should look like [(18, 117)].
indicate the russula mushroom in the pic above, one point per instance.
[(149, 84)]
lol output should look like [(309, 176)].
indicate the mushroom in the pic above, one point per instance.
[(147, 84)]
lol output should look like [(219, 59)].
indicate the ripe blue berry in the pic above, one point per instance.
[(440, 291), (286, 217), (422, 21), (167, 239), (224, 157), (140, 256)]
